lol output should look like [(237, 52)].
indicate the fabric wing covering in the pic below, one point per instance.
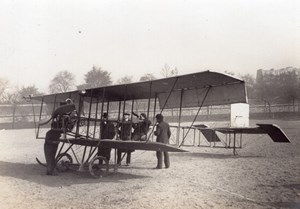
[(191, 90)]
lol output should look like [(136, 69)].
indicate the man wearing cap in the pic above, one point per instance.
[(69, 101), (125, 135), (141, 128), (162, 134)]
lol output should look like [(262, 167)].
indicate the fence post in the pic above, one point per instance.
[(14, 114), (207, 115)]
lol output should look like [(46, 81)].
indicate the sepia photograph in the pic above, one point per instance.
[(174, 104)]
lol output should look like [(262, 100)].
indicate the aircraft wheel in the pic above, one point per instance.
[(63, 162), (99, 167)]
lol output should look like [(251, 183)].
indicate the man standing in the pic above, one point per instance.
[(107, 130), (125, 135), (50, 148), (162, 134), (66, 112)]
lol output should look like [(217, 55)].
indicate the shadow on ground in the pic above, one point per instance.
[(37, 174)]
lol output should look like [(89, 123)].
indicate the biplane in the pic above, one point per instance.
[(82, 133)]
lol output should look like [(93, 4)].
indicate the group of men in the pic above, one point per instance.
[(126, 130), (140, 130)]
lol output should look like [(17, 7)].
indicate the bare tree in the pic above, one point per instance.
[(17, 95), (229, 72), (62, 82), (96, 78), (166, 71), (125, 79), (147, 77), (277, 86), (250, 84), (29, 91), (3, 86), (12, 96)]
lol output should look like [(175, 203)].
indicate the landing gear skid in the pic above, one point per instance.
[(39, 162)]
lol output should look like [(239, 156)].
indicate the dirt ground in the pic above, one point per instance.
[(263, 175)]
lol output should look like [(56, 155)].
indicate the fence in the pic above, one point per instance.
[(24, 115)]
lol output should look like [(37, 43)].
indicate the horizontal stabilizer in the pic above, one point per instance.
[(210, 135), (276, 134)]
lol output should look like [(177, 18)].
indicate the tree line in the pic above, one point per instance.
[(64, 81), (268, 87)]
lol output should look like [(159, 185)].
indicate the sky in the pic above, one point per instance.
[(40, 38)]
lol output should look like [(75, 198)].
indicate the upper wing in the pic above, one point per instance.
[(223, 89)]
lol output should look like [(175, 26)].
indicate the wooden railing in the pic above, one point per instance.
[(24, 115)]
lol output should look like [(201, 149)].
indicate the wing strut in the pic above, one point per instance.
[(195, 116), (96, 117), (179, 118), (149, 100), (89, 116), (40, 117)]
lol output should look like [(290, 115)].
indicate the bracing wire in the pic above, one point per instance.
[(33, 112), (163, 107), (195, 116)]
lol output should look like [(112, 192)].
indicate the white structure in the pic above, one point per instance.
[(239, 115)]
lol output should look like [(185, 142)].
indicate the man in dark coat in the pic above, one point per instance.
[(50, 148), (68, 110), (162, 134), (125, 135), (107, 130)]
